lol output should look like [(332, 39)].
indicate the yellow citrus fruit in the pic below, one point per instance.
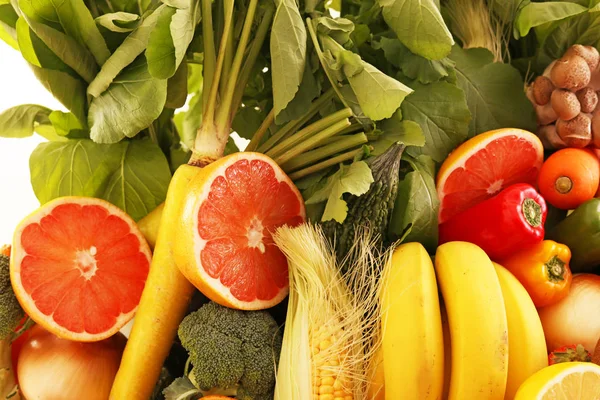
[(564, 381)]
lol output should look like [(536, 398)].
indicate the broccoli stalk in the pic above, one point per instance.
[(11, 315), (232, 352)]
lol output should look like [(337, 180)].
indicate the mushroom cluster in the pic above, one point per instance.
[(565, 98)]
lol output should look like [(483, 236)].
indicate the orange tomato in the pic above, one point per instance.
[(569, 178)]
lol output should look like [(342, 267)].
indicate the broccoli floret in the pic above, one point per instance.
[(232, 349), (11, 312)]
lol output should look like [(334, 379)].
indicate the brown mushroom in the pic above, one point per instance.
[(576, 132), (570, 72), (588, 99), (588, 53), (545, 114), (565, 103), (542, 90), (596, 130), (550, 138)]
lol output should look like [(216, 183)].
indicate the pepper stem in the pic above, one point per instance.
[(563, 185), (556, 269), (532, 211)]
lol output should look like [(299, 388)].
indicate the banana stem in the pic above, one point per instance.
[(309, 131), (312, 141), (320, 153), (325, 164)]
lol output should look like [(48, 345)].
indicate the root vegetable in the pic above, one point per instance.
[(545, 114), (588, 53), (570, 72), (542, 90), (565, 103), (576, 132), (550, 138), (588, 99)]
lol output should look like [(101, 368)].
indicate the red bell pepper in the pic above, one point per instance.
[(506, 223)]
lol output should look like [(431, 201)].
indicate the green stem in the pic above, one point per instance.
[(209, 64), (255, 47), (152, 133), (326, 151), (312, 141), (307, 132), (313, 36), (223, 114), (262, 129), (228, 50), (325, 164), (292, 126), (356, 126)]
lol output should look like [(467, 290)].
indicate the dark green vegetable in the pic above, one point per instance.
[(374, 207), (11, 312), (580, 231)]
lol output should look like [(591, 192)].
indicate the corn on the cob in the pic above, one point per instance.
[(330, 381)]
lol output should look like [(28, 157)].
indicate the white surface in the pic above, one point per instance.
[(18, 85)]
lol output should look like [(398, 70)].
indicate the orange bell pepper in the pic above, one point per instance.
[(543, 269)]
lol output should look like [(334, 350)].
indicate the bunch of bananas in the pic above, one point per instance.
[(481, 340)]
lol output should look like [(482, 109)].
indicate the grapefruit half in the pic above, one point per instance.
[(78, 267), (224, 243), (484, 165)]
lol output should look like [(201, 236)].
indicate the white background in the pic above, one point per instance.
[(18, 85)]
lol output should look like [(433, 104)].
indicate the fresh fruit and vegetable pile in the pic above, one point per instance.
[(302, 200)]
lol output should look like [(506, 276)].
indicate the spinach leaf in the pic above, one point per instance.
[(395, 131), (130, 104), (133, 175), (355, 179), (120, 22), (536, 14), (72, 18), (494, 92), (309, 89), (125, 54), (288, 53), (21, 121), (441, 110), (417, 205), (419, 26)]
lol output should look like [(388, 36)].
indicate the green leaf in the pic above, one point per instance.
[(126, 53), (441, 110), (417, 205), (67, 124), (536, 14), (133, 175), (191, 121), (177, 87), (130, 104), (378, 94), (494, 92), (247, 120), (339, 29), (182, 389), (8, 24), (21, 121), (288, 53), (309, 90), (419, 26), (355, 179), (395, 131), (120, 22), (413, 65), (71, 17)]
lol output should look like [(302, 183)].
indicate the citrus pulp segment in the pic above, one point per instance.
[(484, 165), (225, 245), (78, 267), (563, 381)]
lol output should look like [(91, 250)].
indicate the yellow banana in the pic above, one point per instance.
[(526, 342), (413, 349), (477, 321)]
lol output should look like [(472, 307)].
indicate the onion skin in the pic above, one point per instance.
[(574, 319), (51, 368)]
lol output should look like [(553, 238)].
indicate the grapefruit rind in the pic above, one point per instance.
[(18, 254), (211, 287), (458, 158)]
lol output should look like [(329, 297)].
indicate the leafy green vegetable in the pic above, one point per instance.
[(288, 54), (536, 14), (21, 121), (393, 130), (8, 23), (121, 22), (419, 26), (494, 91), (133, 175), (182, 389), (66, 124), (133, 100), (441, 110), (355, 179), (417, 204)]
